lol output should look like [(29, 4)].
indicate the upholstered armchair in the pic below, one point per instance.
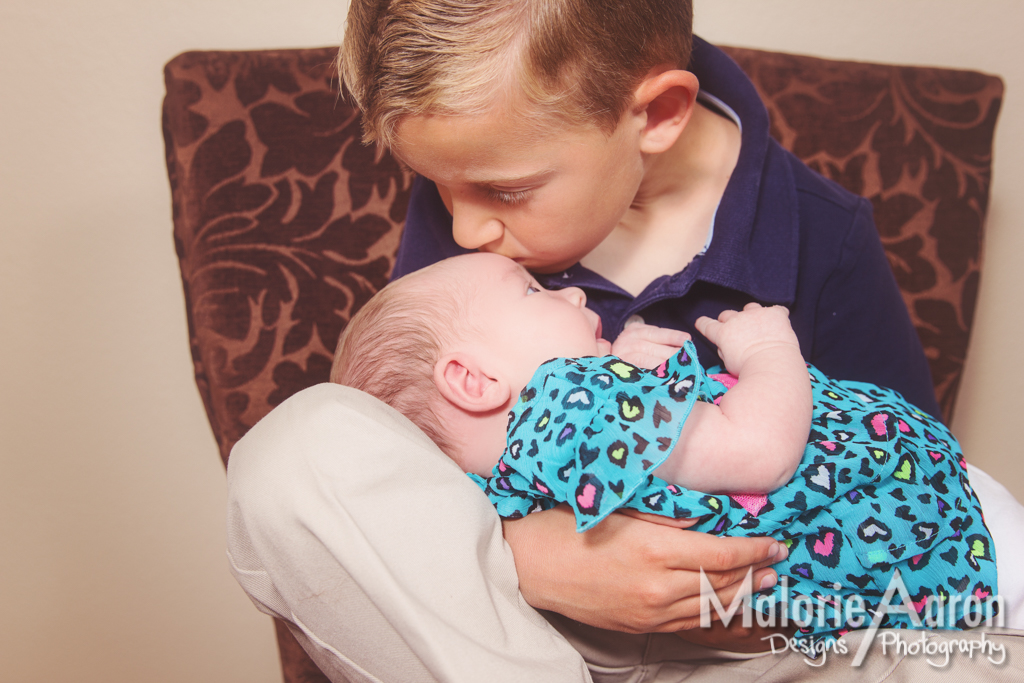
[(285, 224)]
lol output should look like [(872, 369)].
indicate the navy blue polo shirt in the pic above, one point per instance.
[(782, 234)]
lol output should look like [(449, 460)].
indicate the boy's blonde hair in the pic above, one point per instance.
[(575, 61), (391, 345)]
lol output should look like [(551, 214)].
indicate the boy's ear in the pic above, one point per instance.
[(668, 99), (465, 383)]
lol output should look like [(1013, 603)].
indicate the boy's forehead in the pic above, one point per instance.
[(460, 134), (479, 148)]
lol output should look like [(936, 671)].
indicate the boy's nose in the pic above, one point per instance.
[(473, 228)]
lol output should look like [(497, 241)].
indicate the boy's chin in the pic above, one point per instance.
[(544, 267)]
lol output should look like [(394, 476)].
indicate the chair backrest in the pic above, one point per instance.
[(285, 224), (917, 142)]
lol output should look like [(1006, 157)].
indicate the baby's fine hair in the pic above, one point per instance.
[(575, 61), (389, 348)]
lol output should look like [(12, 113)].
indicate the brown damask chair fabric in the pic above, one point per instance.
[(285, 225), (917, 142)]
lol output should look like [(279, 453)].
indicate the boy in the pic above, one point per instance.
[(568, 135), (880, 487), (519, 82)]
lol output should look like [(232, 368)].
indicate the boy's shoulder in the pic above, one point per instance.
[(764, 161), (811, 185)]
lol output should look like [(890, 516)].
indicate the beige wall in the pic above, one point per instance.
[(111, 492)]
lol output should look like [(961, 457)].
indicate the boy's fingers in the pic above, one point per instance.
[(659, 519), (762, 577), (688, 608), (727, 553)]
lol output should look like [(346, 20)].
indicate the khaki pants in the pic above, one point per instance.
[(389, 565)]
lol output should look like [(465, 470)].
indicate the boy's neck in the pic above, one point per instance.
[(668, 222)]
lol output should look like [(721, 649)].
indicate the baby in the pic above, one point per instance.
[(516, 384)]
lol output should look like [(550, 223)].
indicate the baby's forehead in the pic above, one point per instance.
[(455, 276), (481, 265), (478, 278)]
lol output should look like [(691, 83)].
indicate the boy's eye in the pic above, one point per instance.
[(530, 289), (510, 198)]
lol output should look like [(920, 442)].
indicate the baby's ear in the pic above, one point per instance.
[(667, 99), (465, 383)]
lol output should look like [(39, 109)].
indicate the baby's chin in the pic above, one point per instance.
[(604, 347)]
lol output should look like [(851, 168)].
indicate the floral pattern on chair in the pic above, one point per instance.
[(915, 141)]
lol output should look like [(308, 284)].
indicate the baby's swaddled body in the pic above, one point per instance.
[(881, 486)]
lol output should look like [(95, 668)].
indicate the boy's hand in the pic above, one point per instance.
[(659, 519), (627, 574), (647, 346), (741, 334)]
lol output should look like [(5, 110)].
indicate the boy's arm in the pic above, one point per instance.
[(754, 439)]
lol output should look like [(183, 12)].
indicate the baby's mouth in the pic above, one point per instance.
[(597, 332)]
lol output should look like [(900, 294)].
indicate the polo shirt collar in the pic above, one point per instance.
[(755, 246)]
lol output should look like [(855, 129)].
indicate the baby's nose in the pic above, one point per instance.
[(575, 295)]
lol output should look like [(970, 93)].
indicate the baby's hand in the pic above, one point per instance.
[(647, 346), (740, 334)]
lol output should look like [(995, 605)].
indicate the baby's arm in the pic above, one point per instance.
[(754, 439)]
